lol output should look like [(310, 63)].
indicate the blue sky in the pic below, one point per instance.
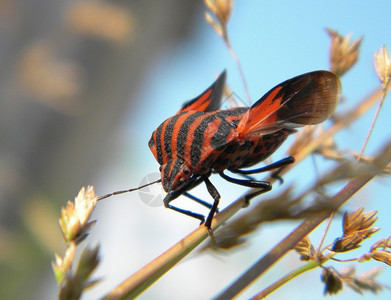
[(275, 40)]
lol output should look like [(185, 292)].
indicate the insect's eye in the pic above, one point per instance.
[(186, 171)]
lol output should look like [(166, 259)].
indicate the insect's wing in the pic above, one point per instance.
[(307, 99), (210, 99)]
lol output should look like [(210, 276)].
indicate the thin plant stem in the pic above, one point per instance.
[(318, 251), (375, 117), (344, 260), (237, 61), (271, 288)]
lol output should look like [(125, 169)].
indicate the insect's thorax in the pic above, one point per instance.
[(193, 139), (193, 136)]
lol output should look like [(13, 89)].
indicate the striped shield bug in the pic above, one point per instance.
[(201, 139)]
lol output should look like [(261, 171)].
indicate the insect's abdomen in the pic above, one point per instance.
[(242, 154)]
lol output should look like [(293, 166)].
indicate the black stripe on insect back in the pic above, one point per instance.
[(168, 134), (184, 131), (220, 136), (198, 140), (159, 153), (167, 169)]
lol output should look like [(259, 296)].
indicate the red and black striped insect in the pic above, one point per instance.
[(200, 139)]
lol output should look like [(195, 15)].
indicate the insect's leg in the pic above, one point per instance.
[(216, 196), (248, 182), (276, 165), (202, 202), (249, 196), (183, 191), (173, 195), (263, 186)]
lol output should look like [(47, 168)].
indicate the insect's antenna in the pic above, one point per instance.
[(127, 191)]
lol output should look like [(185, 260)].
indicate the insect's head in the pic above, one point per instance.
[(175, 174)]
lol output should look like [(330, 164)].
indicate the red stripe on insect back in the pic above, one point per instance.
[(190, 138)]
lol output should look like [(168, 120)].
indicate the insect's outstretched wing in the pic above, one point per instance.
[(210, 99), (307, 99)]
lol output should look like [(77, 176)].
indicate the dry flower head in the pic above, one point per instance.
[(383, 65), (380, 251), (357, 226), (62, 266), (75, 215), (343, 54), (305, 249), (222, 10), (73, 282)]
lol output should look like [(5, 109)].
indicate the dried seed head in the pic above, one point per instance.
[(356, 228), (85, 203), (305, 249), (215, 25), (380, 251), (74, 217), (358, 220), (332, 280), (343, 55), (383, 65), (347, 243), (62, 266), (382, 256), (222, 10), (382, 244), (352, 241)]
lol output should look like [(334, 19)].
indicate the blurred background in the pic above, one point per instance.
[(84, 83)]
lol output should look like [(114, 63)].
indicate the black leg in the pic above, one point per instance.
[(172, 196), (216, 196), (183, 191), (263, 186), (248, 183), (278, 164), (198, 200), (254, 194)]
